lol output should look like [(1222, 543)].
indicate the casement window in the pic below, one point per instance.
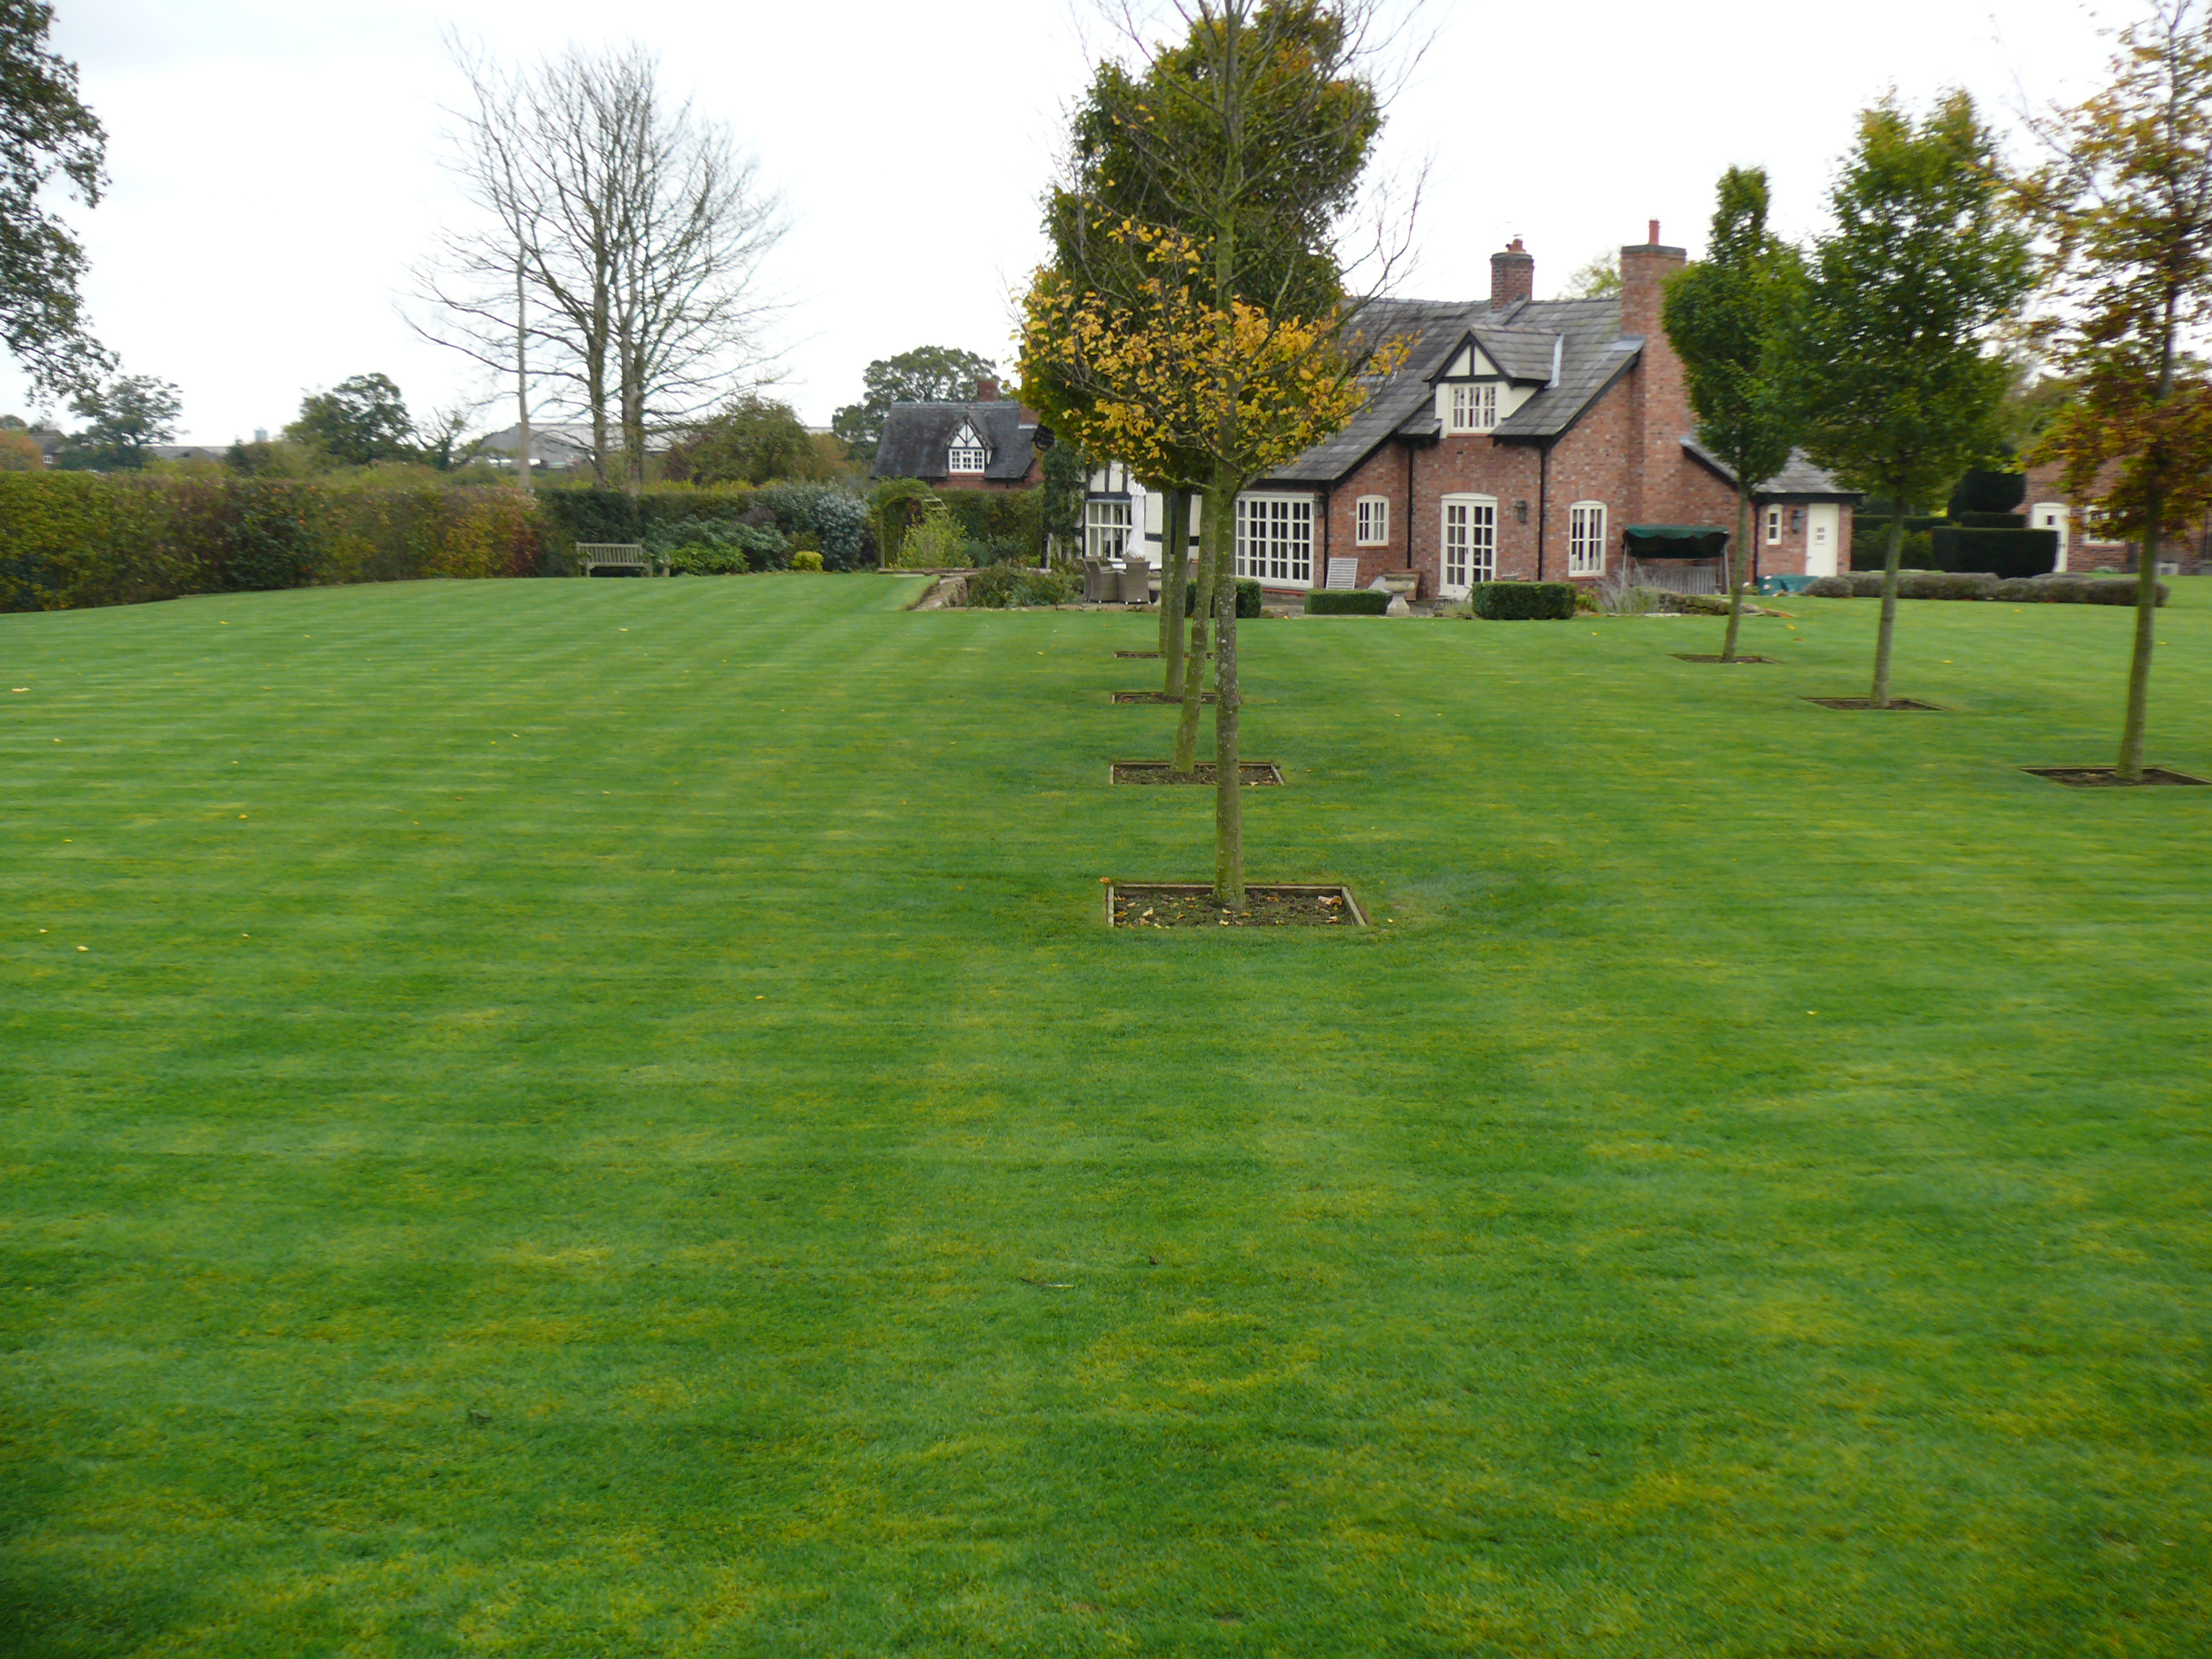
[(1106, 526), (1275, 539), (968, 454), (1372, 521), (1774, 527), (1470, 542), (1474, 408), (1586, 540)]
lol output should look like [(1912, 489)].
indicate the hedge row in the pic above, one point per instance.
[(1524, 601), (70, 540), (1346, 602), (1956, 584)]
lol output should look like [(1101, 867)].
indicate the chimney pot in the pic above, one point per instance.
[(1653, 240)]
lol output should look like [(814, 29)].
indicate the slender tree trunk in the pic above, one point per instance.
[(2137, 720), (1228, 772), (521, 378), (1175, 551), (1887, 631), (2132, 729), (1736, 564), (1193, 663)]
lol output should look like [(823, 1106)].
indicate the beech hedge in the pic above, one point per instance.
[(71, 540)]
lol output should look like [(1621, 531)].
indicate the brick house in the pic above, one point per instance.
[(988, 444), (2082, 547), (1522, 439)]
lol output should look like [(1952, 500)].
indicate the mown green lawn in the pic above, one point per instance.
[(578, 1118)]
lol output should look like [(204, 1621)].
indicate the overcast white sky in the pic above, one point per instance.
[(276, 161)]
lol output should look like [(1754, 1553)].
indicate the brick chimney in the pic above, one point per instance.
[(1512, 275), (987, 391), (1643, 274)]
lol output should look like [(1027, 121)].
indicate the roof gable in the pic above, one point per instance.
[(918, 440)]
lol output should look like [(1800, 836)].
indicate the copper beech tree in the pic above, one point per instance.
[(2125, 206)]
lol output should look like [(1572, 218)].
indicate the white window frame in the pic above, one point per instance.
[(1774, 527), (1474, 407), (1467, 545), (1370, 517), (1107, 527), (1586, 540), (1275, 539), (969, 452)]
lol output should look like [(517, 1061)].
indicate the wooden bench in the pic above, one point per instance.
[(615, 555)]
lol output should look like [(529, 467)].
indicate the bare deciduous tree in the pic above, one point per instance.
[(616, 258)]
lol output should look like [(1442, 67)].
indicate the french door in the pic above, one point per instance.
[(1470, 544)]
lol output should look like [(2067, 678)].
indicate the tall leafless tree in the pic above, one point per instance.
[(615, 255)]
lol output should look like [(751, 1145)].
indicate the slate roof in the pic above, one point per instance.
[(917, 435), (1799, 476), (1519, 337)]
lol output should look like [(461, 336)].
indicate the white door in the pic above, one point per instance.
[(2051, 515), (1823, 531), (1469, 544)]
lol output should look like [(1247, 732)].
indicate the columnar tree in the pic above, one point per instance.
[(2126, 205), (1890, 357), (1728, 316)]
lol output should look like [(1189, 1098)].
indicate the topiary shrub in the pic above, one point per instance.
[(1344, 602), (1829, 587), (1248, 596), (804, 560), (1522, 601)]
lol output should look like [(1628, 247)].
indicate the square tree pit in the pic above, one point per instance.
[(1270, 904)]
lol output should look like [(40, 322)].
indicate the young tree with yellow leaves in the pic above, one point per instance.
[(1195, 319)]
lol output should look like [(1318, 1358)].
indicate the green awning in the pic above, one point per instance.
[(1675, 541)]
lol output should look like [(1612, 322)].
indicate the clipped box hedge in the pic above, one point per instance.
[(1346, 602), (1524, 601), (1960, 585)]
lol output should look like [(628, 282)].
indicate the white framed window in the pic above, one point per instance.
[(1106, 526), (1474, 408), (968, 454), (1372, 521), (1470, 544), (1586, 540), (1774, 527), (1275, 539)]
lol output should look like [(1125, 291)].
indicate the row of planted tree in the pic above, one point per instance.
[(1197, 319)]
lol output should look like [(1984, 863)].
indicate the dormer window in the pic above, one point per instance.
[(969, 452), (1474, 408)]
